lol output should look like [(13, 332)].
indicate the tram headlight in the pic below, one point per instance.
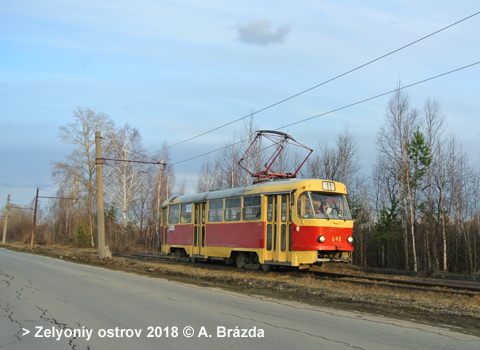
[(321, 239), (349, 239)]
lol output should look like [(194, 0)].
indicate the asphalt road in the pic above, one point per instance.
[(71, 306)]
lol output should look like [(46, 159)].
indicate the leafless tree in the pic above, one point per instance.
[(401, 120), (209, 178), (224, 171), (339, 162), (142, 209), (440, 182), (64, 212), (255, 158), (19, 223), (433, 127), (126, 173), (475, 183), (228, 162), (80, 163), (459, 176)]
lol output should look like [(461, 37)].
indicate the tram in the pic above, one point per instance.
[(288, 222)]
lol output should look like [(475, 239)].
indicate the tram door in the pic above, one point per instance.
[(199, 229), (277, 227)]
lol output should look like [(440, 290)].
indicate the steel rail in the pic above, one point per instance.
[(460, 289), (400, 283)]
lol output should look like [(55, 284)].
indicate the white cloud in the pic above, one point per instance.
[(261, 33)]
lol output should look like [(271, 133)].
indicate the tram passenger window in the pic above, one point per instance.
[(173, 214), (186, 213), (270, 208), (215, 210), (284, 208), (269, 237), (233, 209), (252, 208), (283, 238)]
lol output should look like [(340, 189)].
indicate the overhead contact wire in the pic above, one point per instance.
[(340, 108), (325, 82)]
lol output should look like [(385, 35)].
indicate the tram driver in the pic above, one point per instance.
[(323, 209)]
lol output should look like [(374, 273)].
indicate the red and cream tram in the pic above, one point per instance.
[(291, 222)]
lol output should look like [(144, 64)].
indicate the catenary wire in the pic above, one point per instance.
[(337, 109), (323, 83)]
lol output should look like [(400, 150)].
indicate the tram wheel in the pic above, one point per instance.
[(240, 259), (193, 259), (266, 267), (178, 255)]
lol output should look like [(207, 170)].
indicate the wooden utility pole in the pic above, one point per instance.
[(6, 220), (34, 218), (35, 212), (100, 210)]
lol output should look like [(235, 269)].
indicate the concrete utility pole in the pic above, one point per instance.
[(34, 218), (100, 211), (104, 251), (6, 220)]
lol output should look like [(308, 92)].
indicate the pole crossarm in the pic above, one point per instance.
[(131, 161), (74, 199), (19, 208)]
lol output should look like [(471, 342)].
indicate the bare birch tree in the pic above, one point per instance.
[(224, 171), (80, 163), (209, 178), (228, 162), (255, 159), (401, 120), (433, 126), (126, 174)]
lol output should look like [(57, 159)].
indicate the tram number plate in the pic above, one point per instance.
[(336, 239)]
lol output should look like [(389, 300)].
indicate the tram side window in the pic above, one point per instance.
[(186, 213), (252, 208), (270, 208), (233, 209), (284, 208), (215, 210), (173, 214)]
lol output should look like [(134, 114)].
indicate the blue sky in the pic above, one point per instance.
[(175, 69)]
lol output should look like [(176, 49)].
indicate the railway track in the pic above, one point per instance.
[(463, 288), (452, 287)]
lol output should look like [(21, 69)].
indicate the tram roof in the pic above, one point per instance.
[(274, 187)]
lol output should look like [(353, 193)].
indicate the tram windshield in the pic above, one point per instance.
[(318, 205)]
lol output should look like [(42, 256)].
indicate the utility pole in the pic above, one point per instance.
[(34, 218), (6, 220), (100, 210), (35, 212), (104, 251)]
